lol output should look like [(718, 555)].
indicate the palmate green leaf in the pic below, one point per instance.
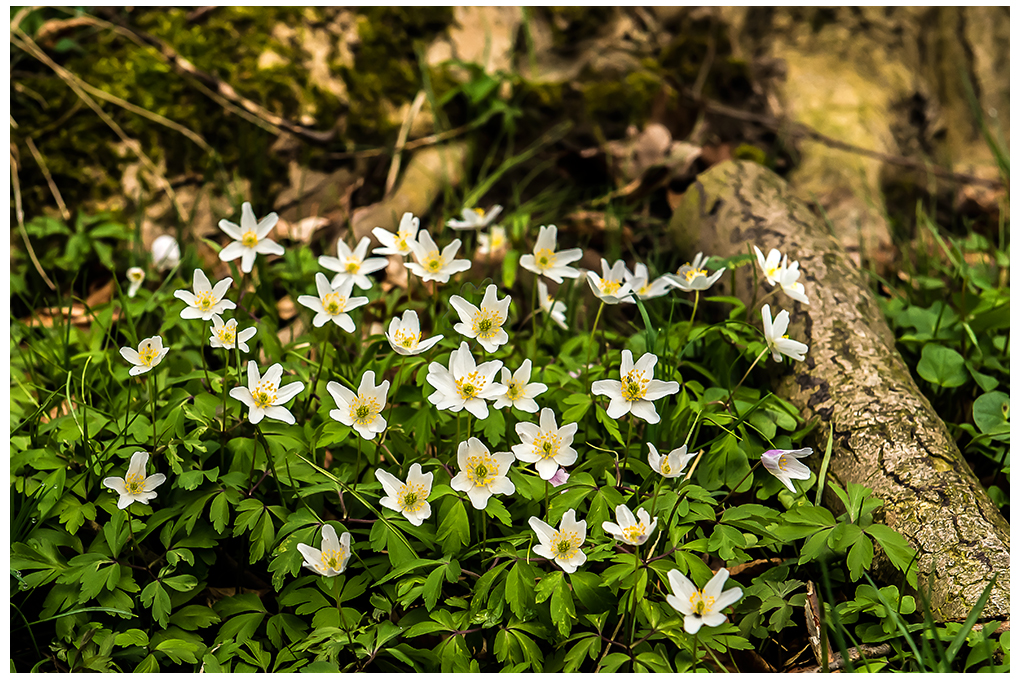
[(609, 424), (494, 427), (433, 587), (193, 617), (520, 592), (454, 528), (589, 644), (156, 598), (561, 607), (896, 549), (545, 587), (860, 556), (495, 509)]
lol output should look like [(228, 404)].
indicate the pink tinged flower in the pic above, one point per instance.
[(482, 474), (351, 265), (135, 486), (361, 411), (562, 545), (701, 607), (694, 276), (545, 444), (148, 355), (775, 336), (636, 390), (206, 299), (784, 465), (642, 287), (520, 392), (545, 261), (333, 302), (629, 529), (225, 335), (264, 396), (410, 498), (475, 218), (135, 277), (611, 287), (332, 559), (464, 385), (404, 335), (431, 265), (166, 254), (559, 478), (485, 323), (249, 238), (672, 464), (399, 243)]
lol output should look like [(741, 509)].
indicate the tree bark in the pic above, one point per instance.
[(886, 435)]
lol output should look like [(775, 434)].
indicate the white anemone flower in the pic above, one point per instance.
[(642, 287), (787, 280), (431, 265), (135, 486), (636, 390), (264, 397), (135, 277), (351, 265), (404, 335), (332, 559), (701, 607), (770, 265), (493, 242), (399, 243), (249, 238), (776, 338), (333, 302), (482, 474), (225, 335), (628, 529), (560, 478), (563, 546), (464, 385), (207, 299), (410, 499), (520, 391), (485, 322), (148, 355), (693, 275), (784, 465), (555, 309), (672, 464), (166, 254), (475, 218), (362, 411), (546, 445), (544, 259), (611, 287)]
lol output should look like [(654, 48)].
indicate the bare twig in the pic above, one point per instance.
[(412, 113), (21, 222), (41, 162)]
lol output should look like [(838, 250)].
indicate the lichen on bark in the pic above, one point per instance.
[(886, 435)]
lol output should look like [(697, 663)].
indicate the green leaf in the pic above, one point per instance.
[(180, 651), (433, 587), (194, 617), (609, 424), (495, 508), (156, 597), (942, 365), (182, 583), (132, 638), (991, 415), (517, 591), (494, 427), (860, 556), (454, 528), (561, 608), (895, 547)]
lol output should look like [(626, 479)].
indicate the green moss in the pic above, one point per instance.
[(619, 103), (749, 152)]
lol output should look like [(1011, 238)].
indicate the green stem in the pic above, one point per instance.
[(695, 310), (534, 311), (155, 440), (339, 607), (626, 447), (322, 362), (357, 466), (205, 366), (729, 399), (587, 360), (734, 490), (272, 466), (547, 499)]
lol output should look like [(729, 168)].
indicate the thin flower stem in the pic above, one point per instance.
[(734, 490), (587, 360), (626, 447), (272, 466), (205, 366), (633, 600), (322, 362), (155, 441), (729, 399), (226, 370), (357, 466), (396, 386), (547, 500), (695, 310), (340, 609), (408, 270), (251, 473), (534, 312)]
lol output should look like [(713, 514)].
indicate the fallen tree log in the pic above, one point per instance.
[(886, 435)]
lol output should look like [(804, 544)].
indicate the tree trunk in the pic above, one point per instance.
[(886, 434)]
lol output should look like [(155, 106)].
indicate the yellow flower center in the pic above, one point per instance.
[(497, 240), (547, 444), (406, 340), (545, 258), (334, 303), (481, 469), (227, 333), (692, 274), (147, 353), (333, 558), (470, 386), (401, 240), (486, 324), (514, 389), (135, 484), (634, 386), (565, 545), (700, 604), (353, 266), (664, 467), (364, 410), (782, 463), (136, 275), (771, 272), (635, 533), (433, 262), (205, 301), (479, 212), (249, 239), (412, 497), (264, 395), (609, 286)]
